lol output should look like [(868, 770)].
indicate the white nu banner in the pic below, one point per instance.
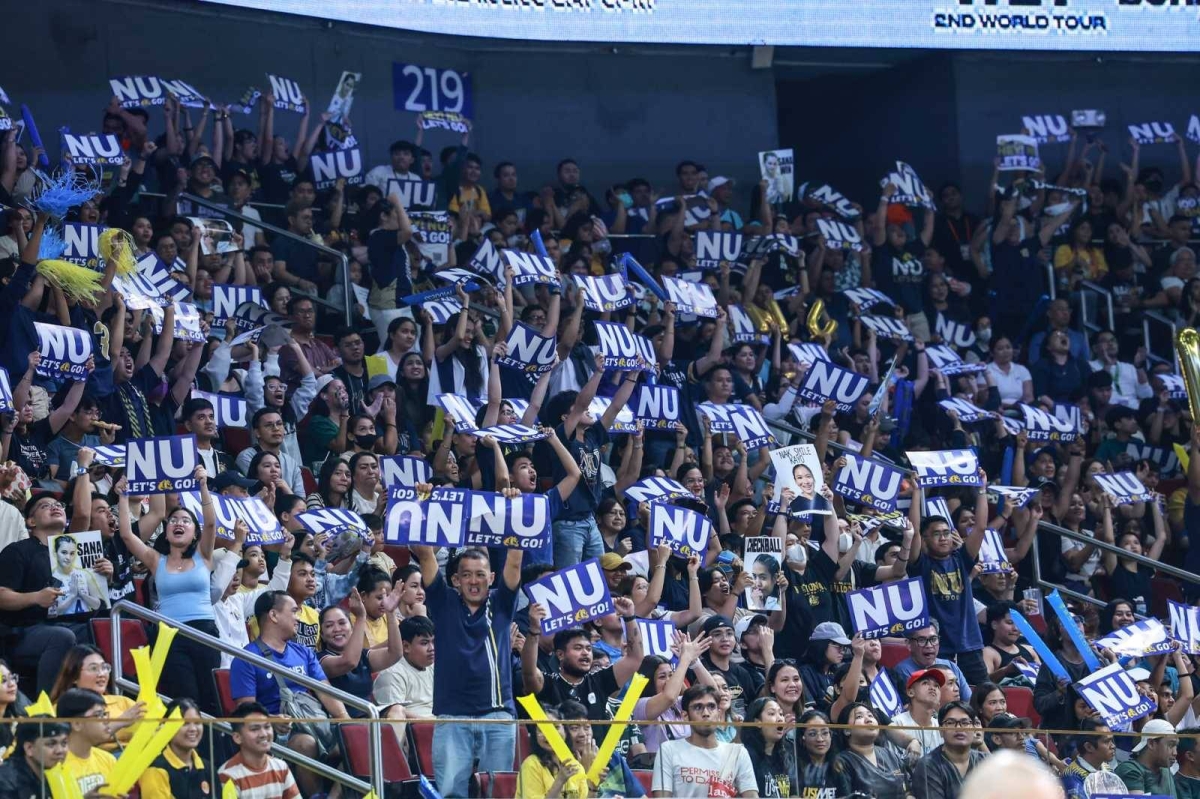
[(949, 467)]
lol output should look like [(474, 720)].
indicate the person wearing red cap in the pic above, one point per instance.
[(924, 689)]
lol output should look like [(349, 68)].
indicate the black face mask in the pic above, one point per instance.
[(365, 441), (1154, 184)]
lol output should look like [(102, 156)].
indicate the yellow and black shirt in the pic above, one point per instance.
[(168, 777)]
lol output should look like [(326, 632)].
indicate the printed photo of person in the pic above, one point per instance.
[(82, 590), (764, 572), (776, 167)]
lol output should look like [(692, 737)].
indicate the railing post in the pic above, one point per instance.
[(115, 634), (375, 738)]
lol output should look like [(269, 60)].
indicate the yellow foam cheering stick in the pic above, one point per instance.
[(62, 785), (134, 761), (615, 731), (557, 744), (229, 791)]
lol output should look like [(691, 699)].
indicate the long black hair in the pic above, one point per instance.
[(163, 546), (544, 756), (782, 759)]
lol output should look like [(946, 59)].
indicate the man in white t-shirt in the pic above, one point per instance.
[(699, 765), (403, 155), (410, 681)]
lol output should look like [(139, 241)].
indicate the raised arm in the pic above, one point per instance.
[(531, 675), (567, 485), (136, 546)]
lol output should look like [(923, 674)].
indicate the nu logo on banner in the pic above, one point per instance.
[(328, 167), (529, 351), (288, 96), (604, 293), (808, 352), (868, 483), (1124, 487), (511, 433), (1185, 626), (948, 362), (133, 92), (892, 609), (531, 268), (416, 194), (1112, 693), (264, 527), (955, 334), (719, 416), (96, 149), (685, 531), (658, 407), (228, 410), (1146, 637), (1046, 127), (519, 523), (887, 327), (657, 637), (404, 471), (621, 347), (461, 409), (832, 198), (968, 412), (827, 381), (949, 467), (866, 298), (438, 521), (750, 427), (227, 299), (161, 465), (83, 245), (1042, 426), (65, 351), (486, 261), (693, 298), (992, 557), (333, 522), (654, 489), (571, 596), (713, 247), (883, 694), (839, 235), (744, 329)]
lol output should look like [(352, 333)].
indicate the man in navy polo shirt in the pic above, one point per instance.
[(473, 622)]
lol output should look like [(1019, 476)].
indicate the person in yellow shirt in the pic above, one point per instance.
[(86, 762), (543, 775), (470, 196), (1077, 259), (374, 586), (85, 667)]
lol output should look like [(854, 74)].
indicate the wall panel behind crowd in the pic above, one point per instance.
[(620, 115)]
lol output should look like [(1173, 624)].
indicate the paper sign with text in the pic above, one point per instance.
[(889, 610), (162, 465), (65, 352), (828, 381), (685, 531), (948, 467), (868, 482), (571, 596)]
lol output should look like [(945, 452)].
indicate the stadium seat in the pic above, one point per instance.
[(498, 784), (480, 785), (893, 652), (139, 592), (310, 482), (420, 747), (1163, 589), (356, 744), (1020, 703), (236, 440), (224, 692), (522, 746), (400, 555), (646, 778), (133, 635)]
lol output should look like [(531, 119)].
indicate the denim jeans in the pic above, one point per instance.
[(457, 746), (576, 541)]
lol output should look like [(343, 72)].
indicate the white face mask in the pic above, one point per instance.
[(796, 554), (984, 334), (845, 541)]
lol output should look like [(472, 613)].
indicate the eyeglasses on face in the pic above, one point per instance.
[(817, 734), (961, 724), (97, 668), (925, 640)]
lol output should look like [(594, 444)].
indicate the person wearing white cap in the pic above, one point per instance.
[(1149, 771), (720, 188)]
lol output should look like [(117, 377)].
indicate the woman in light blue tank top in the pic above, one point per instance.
[(181, 562)]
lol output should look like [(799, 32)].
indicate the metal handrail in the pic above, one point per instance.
[(1174, 571), (374, 731), (253, 204), (287, 234), (1155, 316), (1089, 285)]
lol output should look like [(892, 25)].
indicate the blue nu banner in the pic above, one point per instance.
[(522, 522), (1124, 488), (155, 270), (866, 298), (883, 694), (228, 298), (750, 427), (511, 433), (657, 637), (1143, 638), (1042, 426), (82, 245), (65, 351), (161, 465), (438, 521), (827, 381), (968, 412), (656, 489), (657, 407), (404, 471), (460, 409), (623, 349), (6, 397), (868, 482), (689, 297), (571, 596), (715, 247), (604, 293), (264, 527), (808, 352), (743, 327), (93, 149), (685, 531), (333, 522), (947, 467), (719, 416), (528, 351), (887, 327), (891, 609), (1112, 693), (992, 558), (1185, 626), (531, 268), (230, 411), (945, 360), (624, 421), (1018, 496)]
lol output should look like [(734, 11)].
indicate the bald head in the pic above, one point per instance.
[(1007, 774)]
